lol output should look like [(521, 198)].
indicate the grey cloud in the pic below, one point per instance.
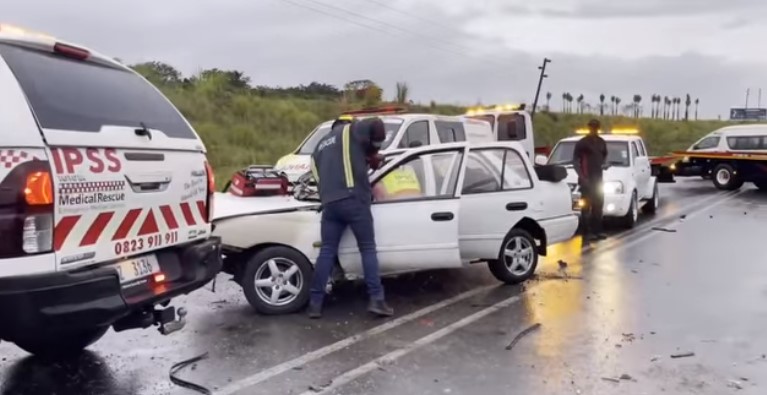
[(597, 9)]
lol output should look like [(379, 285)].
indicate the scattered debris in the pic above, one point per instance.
[(298, 368), (683, 216), (655, 358), (711, 216), (626, 376), (186, 384), (521, 334), (664, 229), (562, 264), (321, 387), (611, 379), (634, 271), (734, 384), (222, 301), (743, 378), (628, 337), (683, 355), (618, 346)]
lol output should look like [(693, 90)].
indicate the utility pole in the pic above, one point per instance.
[(759, 100), (748, 91), (540, 81)]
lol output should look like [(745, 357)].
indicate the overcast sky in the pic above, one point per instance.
[(456, 51)]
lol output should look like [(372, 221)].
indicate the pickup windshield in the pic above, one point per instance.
[(617, 153), (391, 125)]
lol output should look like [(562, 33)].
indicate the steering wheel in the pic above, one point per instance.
[(477, 184)]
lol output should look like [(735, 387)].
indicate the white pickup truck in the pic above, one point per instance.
[(477, 202), (628, 182)]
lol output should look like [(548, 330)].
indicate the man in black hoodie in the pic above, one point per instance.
[(589, 161)]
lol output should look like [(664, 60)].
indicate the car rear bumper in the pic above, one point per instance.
[(62, 301)]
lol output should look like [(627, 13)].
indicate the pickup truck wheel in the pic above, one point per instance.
[(630, 219), (517, 259), (61, 345), (652, 205), (276, 280), (724, 178)]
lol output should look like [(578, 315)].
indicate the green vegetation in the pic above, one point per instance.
[(243, 125)]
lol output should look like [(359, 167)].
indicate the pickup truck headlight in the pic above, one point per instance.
[(612, 187)]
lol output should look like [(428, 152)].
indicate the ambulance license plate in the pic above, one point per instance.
[(137, 268)]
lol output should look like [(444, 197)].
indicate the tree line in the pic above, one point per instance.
[(662, 107)]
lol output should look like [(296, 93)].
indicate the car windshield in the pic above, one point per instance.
[(488, 118), (617, 153), (391, 125)]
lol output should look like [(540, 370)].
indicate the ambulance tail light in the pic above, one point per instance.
[(26, 210), (211, 190)]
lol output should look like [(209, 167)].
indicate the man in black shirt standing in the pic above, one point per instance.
[(589, 160)]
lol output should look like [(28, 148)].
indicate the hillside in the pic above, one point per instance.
[(241, 125)]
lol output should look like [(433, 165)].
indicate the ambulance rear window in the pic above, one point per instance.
[(74, 95)]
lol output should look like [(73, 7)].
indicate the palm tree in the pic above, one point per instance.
[(656, 107), (579, 100), (666, 105), (548, 101), (697, 101), (602, 104), (687, 102), (564, 102), (402, 92), (569, 102), (678, 108), (617, 103), (637, 99)]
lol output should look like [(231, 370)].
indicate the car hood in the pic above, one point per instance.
[(227, 205)]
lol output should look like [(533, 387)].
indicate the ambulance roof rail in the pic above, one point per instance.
[(376, 111)]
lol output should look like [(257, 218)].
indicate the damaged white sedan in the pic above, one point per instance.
[(477, 203)]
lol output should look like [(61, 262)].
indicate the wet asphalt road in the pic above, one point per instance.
[(620, 306)]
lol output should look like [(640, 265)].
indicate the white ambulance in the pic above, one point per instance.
[(105, 198), (403, 131)]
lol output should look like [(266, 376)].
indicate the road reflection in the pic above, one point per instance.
[(87, 374)]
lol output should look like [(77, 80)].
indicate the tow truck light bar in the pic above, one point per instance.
[(499, 108), (622, 131), (18, 31), (374, 110)]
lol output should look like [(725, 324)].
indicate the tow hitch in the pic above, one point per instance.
[(168, 322)]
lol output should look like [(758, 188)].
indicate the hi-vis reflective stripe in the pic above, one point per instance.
[(315, 173), (346, 147), (74, 231)]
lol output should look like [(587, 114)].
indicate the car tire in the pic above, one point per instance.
[(724, 178), (517, 241), (291, 282), (630, 219), (652, 205), (61, 345)]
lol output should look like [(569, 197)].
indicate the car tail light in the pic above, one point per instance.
[(26, 210), (211, 190), (71, 51)]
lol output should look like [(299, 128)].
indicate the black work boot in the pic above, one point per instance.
[(380, 308), (314, 310)]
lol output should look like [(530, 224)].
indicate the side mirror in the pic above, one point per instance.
[(540, 159)]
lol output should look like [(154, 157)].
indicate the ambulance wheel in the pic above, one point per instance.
[(61, 345), (517, 259), (276, 280), (724, 178), (630, 219)]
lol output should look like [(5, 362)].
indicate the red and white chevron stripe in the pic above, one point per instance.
[(75, 231)]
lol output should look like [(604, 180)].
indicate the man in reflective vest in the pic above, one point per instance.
[(340, 165), (400, 183)]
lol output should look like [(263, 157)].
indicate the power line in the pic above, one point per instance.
[(427, 20), (407, 31)]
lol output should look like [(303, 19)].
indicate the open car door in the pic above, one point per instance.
[(416, 223)]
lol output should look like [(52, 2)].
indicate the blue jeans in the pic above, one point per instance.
[(336, 216)]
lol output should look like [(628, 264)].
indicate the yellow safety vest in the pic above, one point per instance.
[(401, 183)]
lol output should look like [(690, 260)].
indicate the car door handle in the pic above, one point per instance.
[(516, 206), (442, 216)]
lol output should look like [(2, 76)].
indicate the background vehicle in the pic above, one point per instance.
[(628, 182), (509, 123), (105, 196), (730, 156), (403, 131), (477, 202)]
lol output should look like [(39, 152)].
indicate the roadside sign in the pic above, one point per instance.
[(748, 114)]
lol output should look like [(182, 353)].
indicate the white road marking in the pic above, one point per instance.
[(341, 344), (353, 374)]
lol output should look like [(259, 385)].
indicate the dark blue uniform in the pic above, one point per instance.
[(340, 168)]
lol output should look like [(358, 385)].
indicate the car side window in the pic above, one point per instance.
[(449, 132), (707, 143), (416, 135), (426, 176), (515, 174), (480, 176), (511, 127), (640, 145), (634, 149)]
